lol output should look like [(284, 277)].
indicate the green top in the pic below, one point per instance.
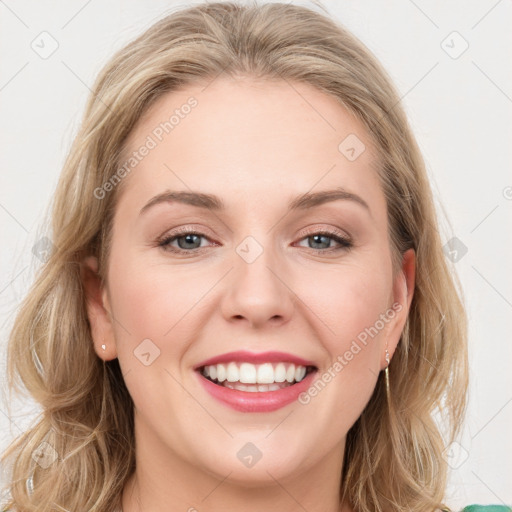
[(487, 508)]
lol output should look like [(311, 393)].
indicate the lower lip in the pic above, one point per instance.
[(265, 401)]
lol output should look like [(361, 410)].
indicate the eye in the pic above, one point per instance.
[(321, 239), (189, 241)]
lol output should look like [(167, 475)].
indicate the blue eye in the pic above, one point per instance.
[(319, 239), (185, 242), (189, 242)]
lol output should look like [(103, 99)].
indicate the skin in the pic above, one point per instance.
[(256, 145)]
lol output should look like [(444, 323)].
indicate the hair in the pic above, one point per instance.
[(394, 452)]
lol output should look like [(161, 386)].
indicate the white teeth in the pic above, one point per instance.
[(265, 374), (280, 373), (300, 372), (221, 373), (261, 374), (232, 373), (248, 373), (261, 388)]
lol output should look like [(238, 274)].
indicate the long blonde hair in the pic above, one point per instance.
[(394, 452)]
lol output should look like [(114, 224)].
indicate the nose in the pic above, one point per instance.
[(258, 292)]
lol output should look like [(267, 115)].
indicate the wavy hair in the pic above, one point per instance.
[(394, 452)]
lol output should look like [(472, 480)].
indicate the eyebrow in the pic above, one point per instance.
[(215, 203)]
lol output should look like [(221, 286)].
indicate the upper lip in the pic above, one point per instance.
[(254, 358)]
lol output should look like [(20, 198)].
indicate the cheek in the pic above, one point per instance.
[(346, 300), (150, 299)]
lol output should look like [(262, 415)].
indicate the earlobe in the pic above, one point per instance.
[(96, 304)]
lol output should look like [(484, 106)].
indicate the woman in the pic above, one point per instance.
[(244, 239)]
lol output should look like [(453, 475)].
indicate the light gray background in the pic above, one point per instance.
[(459, 108)]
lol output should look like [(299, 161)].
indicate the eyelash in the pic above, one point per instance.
[(164, 242)]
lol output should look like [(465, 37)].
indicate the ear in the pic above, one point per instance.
[(98, 309), (403, 291)]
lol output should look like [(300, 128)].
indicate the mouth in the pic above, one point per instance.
[(256, 378), (252, 382)]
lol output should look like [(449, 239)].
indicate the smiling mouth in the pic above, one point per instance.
[(255, 378)]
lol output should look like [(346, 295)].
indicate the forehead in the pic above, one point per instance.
[(250, 137)]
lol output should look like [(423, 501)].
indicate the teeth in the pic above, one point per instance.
[(280, 373), (221, 373), (248, 373), (265, 374), (262, 374), (232, 373), (256, 388), (300, 372), (290, 373)]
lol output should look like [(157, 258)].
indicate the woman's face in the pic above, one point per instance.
[(188, 281)]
